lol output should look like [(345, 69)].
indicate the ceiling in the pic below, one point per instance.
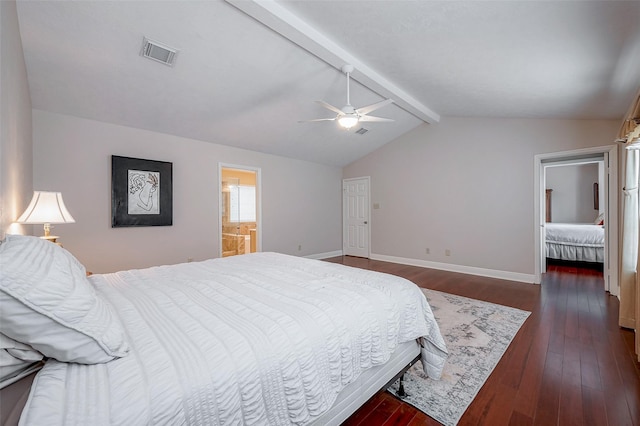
[(247, 72)]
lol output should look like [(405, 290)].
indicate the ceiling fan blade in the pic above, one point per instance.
[(317, 119), (330, 107), (371, 118), (369, 108)]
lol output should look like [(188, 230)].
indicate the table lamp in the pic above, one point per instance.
[(46, 208)]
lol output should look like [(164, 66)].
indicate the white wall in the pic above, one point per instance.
[(301, 201), (572, 195), (15, 124), (467, 185)]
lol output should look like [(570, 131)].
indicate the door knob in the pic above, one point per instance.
[(365, 222)]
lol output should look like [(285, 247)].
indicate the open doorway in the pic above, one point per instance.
[(607, 184), (239, 210), (574, 222)]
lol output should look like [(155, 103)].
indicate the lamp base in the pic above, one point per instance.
[(52, 238)]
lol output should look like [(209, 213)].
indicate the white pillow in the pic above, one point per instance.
[(599, 220), (15, 357), (47, 302)]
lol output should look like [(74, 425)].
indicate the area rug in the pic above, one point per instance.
[(477, 334)]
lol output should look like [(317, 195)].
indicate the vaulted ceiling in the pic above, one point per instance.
[(248, 71)]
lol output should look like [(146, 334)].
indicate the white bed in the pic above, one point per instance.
[(262, 338), (575, 242)]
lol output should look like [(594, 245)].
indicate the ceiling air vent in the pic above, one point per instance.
[(158, 52), (362, 131)]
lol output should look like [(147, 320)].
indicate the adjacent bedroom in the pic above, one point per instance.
[(575, 215)]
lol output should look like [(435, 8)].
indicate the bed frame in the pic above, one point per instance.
[(14, 396), (369, 383)]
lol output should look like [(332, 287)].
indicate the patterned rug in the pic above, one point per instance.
[(477, 334)]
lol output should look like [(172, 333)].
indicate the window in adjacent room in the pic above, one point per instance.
[(242, 202)]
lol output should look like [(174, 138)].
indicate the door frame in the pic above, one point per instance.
[(345, 232), (258, 173), (610, 153)]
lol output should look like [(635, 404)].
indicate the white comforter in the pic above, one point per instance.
[(575, 234), (575, 242), (255, 339)]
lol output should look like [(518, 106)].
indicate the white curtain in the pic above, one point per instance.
[(629, 254), (630, 279)]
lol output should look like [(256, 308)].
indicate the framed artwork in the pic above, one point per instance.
[(141, 192)]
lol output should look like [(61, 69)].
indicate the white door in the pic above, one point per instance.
[(355, 202)]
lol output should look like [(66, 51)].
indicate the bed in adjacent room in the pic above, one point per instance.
[(262, 338), (575, 242)]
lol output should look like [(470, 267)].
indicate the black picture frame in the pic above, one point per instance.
[(148, 180)]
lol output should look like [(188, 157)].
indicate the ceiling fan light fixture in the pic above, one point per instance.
[(348, 116), (347, 121)]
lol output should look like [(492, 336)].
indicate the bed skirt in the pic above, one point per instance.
[(575, 253)]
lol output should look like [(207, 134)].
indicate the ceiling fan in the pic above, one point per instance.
[(348, 116)]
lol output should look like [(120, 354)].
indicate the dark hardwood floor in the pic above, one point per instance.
[(570, 363)]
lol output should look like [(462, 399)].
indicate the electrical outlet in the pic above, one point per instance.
[(376, 206), (427, 250), (447, 252), (299, 247), (189, 259)]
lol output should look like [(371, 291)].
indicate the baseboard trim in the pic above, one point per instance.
[(326, 255), (627, 323), (490, 273)]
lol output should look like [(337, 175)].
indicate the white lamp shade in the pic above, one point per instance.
[(46, 207)]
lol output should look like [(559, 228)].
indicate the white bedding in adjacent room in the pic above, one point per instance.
[(262, 338), (575, 242)]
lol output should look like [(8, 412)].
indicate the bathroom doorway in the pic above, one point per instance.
[(239, 210)]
